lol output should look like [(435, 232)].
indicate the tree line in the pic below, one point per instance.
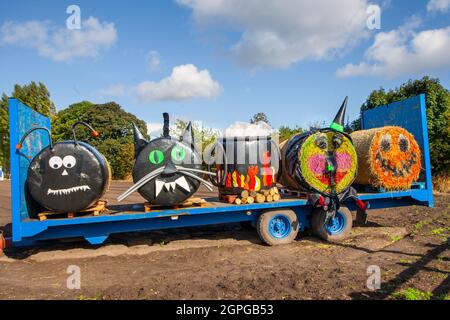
[(116, 138)]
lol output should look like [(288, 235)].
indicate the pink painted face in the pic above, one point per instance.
[(315, 167), (317, 164)]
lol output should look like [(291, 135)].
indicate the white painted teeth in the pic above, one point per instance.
[(67, 191), (183, 183), (171, 186), (158, 186)]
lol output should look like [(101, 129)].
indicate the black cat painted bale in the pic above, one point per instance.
[(167, 171), (67, 176)]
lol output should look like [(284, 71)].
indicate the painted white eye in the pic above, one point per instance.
[(69, 161), (55, 162)]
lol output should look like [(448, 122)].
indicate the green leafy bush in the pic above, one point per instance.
[(438, 115), (114, 125)]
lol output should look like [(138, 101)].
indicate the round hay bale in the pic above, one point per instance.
[(389, 157), (68, 178), (323, 161)]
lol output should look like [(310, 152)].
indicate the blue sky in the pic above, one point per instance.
[(294, 60)]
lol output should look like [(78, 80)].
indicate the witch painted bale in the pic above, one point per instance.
[(167, 171), (389, 157), (321, 161), (67, 176)]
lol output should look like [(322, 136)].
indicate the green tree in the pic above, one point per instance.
[(438, 115), (260, 116), (4, 134), (114, 125), (36, 96), (203, 136), (285, 132)]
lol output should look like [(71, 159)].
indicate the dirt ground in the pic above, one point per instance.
[(410, 245)]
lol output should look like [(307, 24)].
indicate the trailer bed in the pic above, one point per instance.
[(410, 114)]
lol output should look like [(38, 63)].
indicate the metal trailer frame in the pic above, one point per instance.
[(410, 114)]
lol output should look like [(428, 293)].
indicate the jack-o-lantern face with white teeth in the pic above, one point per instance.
[(67, 176), (395, 156)]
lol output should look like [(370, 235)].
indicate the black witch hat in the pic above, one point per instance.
[(338, 122)]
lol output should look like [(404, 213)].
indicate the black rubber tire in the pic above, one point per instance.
[(262, 226), (317, 225)]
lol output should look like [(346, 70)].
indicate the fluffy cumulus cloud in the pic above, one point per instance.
[(403, 52), (438, 5), (185, 82), (59, 43), (279, 33)]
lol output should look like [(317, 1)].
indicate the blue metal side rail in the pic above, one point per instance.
[(27, 231)]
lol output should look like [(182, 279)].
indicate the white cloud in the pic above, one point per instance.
[(153, 60), (60, 43), (185, 82), (279, 33), (112, 91), (438, 5), (155, 129), (403, 52)]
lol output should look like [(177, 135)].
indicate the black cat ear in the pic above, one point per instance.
[(139, 140), (188, 135)]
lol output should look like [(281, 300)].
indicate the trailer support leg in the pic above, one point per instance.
[(97, 239)]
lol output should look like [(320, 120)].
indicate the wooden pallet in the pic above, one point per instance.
[(95, 210), (191, 202), (290, 192)]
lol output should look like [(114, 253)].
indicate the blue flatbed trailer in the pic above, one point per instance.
[(27, 231)]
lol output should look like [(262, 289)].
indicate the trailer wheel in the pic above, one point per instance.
[(277, 226), (337, 229)]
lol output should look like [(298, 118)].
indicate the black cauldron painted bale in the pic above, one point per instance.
[(249, 164), (68, 176), (166, 170)]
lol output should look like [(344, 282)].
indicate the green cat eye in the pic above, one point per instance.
[(178, 153), (156, 157)]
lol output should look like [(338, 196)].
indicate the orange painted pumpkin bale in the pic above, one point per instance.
[(388, 157)]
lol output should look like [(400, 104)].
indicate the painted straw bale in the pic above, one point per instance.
[(389, 157), (323, 160)]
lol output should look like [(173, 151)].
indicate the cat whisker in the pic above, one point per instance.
[(206, 183), (140, 183), (195, 170)]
